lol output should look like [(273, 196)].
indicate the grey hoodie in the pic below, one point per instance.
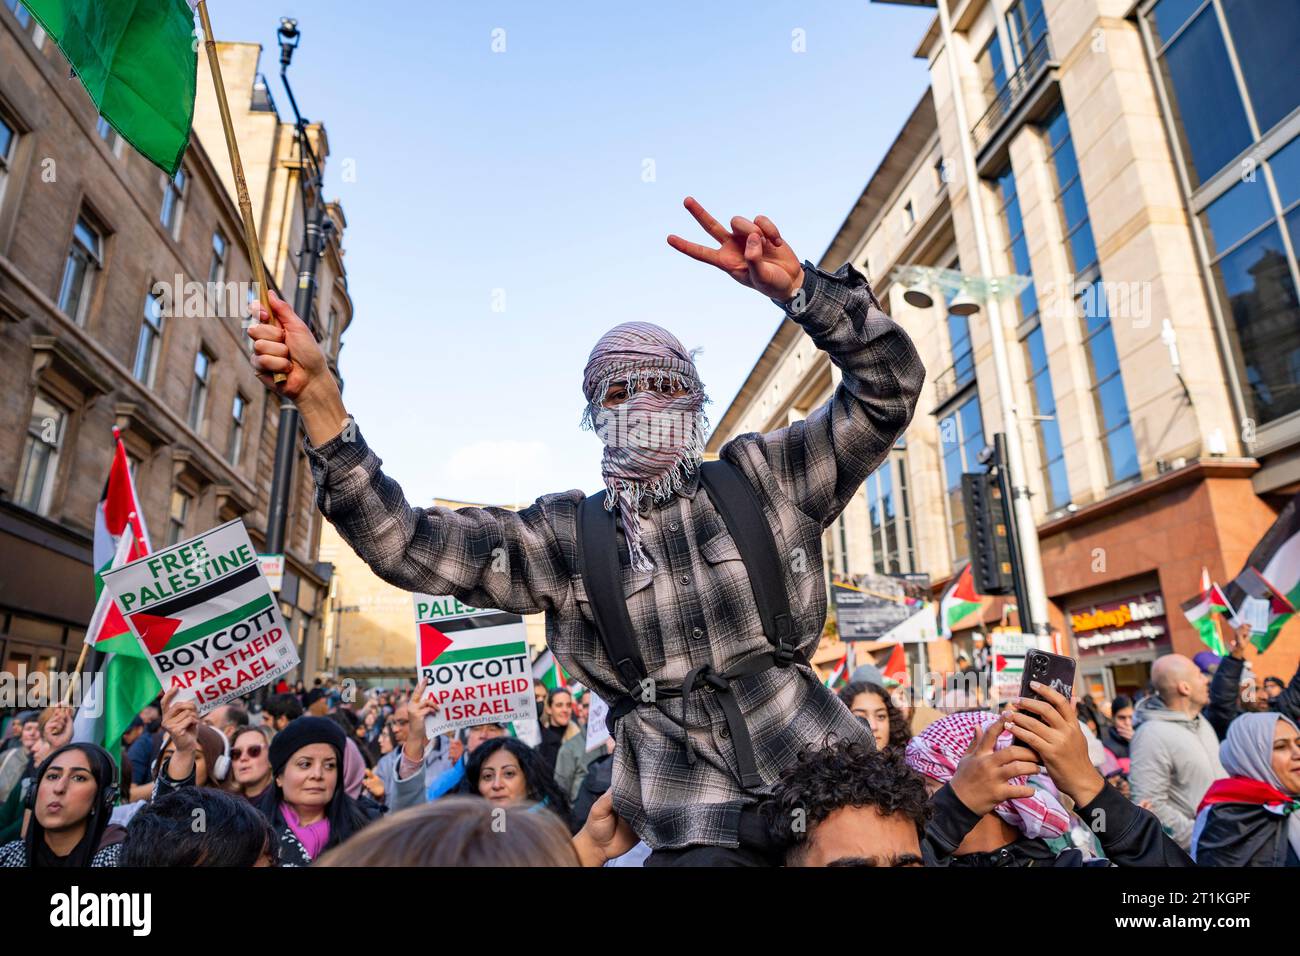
[(1175, 758)]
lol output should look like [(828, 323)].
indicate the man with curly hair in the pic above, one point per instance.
[(846, 805)]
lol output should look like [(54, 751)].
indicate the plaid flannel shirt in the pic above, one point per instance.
[(697, 606)]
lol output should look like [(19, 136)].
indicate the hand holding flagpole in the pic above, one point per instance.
[(237, 168)]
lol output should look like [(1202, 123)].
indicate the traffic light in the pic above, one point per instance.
[(986, 533)]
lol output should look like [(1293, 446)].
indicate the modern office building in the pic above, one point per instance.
[(1138, 164)]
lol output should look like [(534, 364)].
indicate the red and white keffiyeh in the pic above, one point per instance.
[(937, 750)]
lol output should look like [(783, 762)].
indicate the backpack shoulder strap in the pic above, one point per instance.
[(737, 502), (603, 579)]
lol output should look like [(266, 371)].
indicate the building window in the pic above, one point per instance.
[(40, 462), (199, 390), (85, 259), (20, 12), (890, 514), (150, 342), (1224, 65), (217, 268), (1107, 385), (1253, 276), (940, 174), (1050, 449), (1109, 399), (235, 443), (1027, 25), (1040, 375), (1069, 194), (963, 356), (8, 142), (909, 216), (176, 517), (1218, 109), (992, 70), (173, 205), (961, 437)]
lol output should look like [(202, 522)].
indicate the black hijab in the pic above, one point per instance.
[(104, 771)]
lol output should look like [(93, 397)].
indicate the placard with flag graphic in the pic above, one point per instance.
[(475, 663), (204, 616)]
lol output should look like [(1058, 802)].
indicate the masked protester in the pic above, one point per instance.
[(986, 813), (1252, 816), (71, 802), (689, 599)]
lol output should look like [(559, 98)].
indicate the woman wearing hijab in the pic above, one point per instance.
[(977, 767), (71, 802), (306, 804), (1252, 816)]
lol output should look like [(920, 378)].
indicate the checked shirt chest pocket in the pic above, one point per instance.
[(639, 596)]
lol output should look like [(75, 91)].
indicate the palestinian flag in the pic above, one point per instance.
[(138, 60), (196, 613), (958, 601), (1200, 612), (1276, 563), (895, 669), (124, 682), (840, 674), (473, 638), (548, 670)]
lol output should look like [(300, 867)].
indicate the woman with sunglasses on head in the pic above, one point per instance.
[(250, 762), (71, 801)]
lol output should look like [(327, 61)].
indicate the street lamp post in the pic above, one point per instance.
[(317, 228)]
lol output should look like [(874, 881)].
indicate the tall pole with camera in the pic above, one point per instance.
[(317, 227)]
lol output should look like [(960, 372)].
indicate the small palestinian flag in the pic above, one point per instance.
[(1276, 559), (1200, 612), (959, 601), (840, 674), (471, 638), (124, 681), (548, 670), (895, 670)]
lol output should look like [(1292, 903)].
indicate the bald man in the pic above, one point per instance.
[(1175, 751)]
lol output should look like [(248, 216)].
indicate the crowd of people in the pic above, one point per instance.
[(1201, 769)]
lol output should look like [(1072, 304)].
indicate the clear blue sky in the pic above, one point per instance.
[(522, 171)]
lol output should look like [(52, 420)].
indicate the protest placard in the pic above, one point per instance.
[(1009, 650), (597, 732), (205, 616), (475, 662)]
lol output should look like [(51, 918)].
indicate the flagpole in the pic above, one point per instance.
[(81, 660), (237, 168)]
